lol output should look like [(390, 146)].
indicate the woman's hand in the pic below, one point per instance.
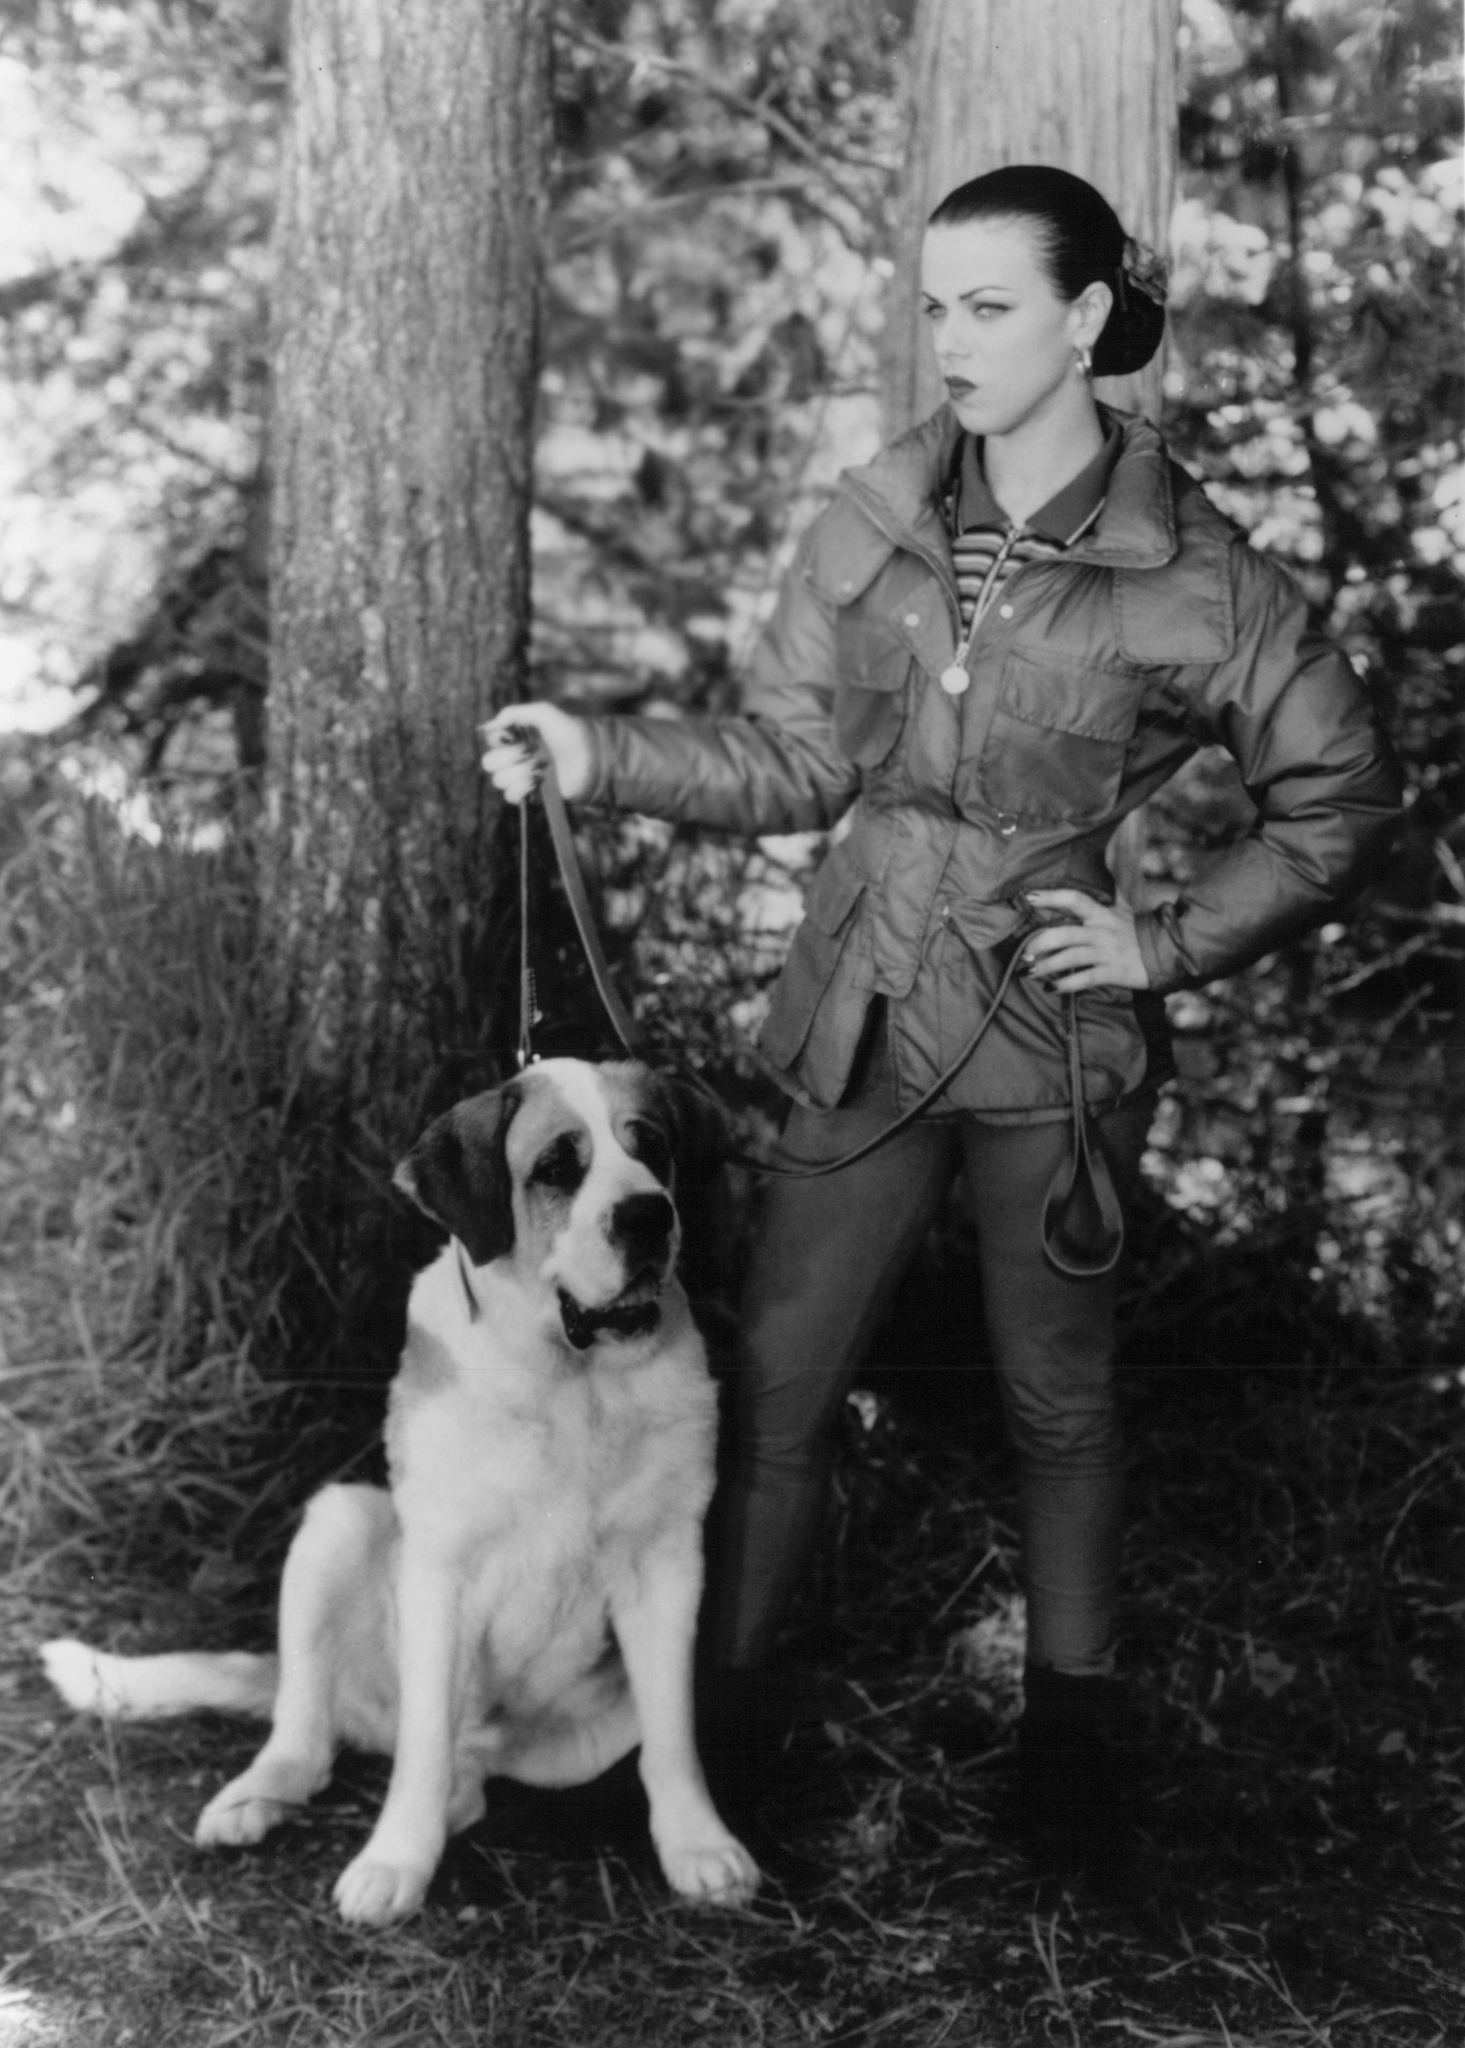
[(1098, 950), (510, 764)]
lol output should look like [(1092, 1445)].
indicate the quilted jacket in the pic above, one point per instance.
[(1097, 674)]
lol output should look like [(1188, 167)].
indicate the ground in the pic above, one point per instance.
[(1296, 1679)]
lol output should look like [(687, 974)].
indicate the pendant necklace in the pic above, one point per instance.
[(956, 680)]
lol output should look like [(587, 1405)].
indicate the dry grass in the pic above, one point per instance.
[(1293, 1630)]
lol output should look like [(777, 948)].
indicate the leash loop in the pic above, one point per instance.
[(810, 1170), (1083, 1218)]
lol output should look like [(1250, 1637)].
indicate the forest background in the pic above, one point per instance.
[(720, 238)]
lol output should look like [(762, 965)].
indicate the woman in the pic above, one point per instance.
[(1001, 635)]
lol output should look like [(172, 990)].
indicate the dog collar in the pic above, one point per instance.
[(583, 1326)]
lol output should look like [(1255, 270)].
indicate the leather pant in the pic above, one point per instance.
[(826, 1258)]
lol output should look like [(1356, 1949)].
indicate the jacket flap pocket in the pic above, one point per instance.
[(1091, 703), (833, 894), (843, 555)]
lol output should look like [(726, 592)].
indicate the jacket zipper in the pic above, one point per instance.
[(875, 512), (954, 687), (906, 540)]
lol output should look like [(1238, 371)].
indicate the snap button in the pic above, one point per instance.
[(912, 619), (1004, 611), (1006, 824), (847, 583)]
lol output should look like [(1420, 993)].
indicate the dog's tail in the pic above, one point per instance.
[(152, 1688)]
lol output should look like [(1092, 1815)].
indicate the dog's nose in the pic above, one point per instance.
[(643, 1224)]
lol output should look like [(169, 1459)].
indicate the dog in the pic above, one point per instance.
[(521, 1601)]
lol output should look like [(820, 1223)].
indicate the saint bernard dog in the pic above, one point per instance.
[(521, 1600)]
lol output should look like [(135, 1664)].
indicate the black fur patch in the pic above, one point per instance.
[(458, 1174), (695, 1128)]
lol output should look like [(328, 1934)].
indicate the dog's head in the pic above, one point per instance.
[(570, 1171)]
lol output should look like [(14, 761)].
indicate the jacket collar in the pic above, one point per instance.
[(1062, 518), (1135, 530)]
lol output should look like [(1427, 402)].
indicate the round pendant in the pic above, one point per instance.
[(955, 680)]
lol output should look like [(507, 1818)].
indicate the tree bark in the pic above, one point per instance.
[(405, 307), (1091, 89)]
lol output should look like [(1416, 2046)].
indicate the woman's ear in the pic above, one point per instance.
[(1089, 313)]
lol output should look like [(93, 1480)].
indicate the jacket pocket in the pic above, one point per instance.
[(1055, 752), (871, 666), (814, 958)]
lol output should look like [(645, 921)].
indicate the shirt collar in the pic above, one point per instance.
[(1067, 514)]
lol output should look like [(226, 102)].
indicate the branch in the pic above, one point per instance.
[(1449, 860), (627, 216), (181, 451), (777, 124)]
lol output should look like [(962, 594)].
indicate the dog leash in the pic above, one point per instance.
[(1083, 1181), (530, 1013), (563, 839)]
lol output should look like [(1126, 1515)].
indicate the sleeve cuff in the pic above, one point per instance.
[(599, 789), (1162, 957)]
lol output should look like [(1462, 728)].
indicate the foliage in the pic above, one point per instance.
[(139, 148), (159, 1198), (710, 326), (1317, 386), (1320, 380)]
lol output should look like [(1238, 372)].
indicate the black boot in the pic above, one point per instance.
[(1073, 1778), (759, 1720)]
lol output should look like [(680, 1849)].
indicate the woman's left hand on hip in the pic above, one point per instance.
[(1098, 949)]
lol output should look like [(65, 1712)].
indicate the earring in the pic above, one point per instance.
[(1085, 357)]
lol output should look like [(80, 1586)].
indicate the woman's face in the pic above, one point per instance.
[(1005, 341)]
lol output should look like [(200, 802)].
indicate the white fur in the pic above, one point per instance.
[(522, 1602), (152, 1688)]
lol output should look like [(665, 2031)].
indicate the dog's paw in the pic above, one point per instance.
[(716, 1871), (239, 1817), (270, 1791), (373, 1894)]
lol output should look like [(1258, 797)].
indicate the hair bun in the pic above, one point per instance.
[(1137, 319)]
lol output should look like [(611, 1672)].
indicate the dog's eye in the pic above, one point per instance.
[(559, 1166), (649, 1144)]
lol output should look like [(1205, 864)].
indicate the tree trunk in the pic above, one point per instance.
[(407, 279), (1091, 89)]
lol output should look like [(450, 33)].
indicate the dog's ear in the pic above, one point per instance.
[(458, 1174), (697, 1128)]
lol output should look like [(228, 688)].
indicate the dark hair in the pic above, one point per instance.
[(1080, 242)]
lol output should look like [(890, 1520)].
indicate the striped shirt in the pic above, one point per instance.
[(985, 544)]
